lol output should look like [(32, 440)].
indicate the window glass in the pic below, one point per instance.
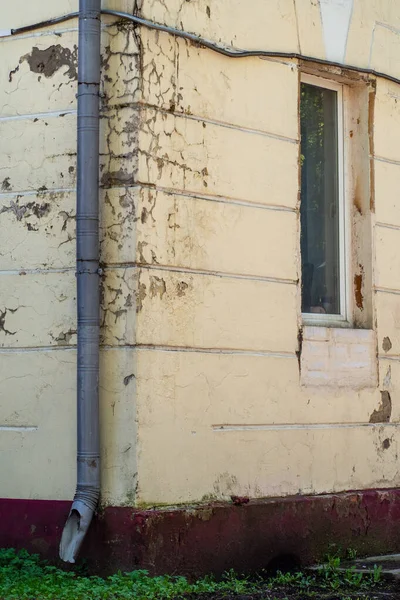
[(320, 210)]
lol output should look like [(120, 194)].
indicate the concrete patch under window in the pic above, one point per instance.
[(338, 357)]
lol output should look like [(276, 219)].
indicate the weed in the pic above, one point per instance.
[(336, 578), (24, 576)]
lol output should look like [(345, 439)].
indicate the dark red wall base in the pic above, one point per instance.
[(213, 538)]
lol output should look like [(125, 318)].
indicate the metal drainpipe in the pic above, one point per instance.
[(87, 277)]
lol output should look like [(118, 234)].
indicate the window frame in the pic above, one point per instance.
[(343, 318)]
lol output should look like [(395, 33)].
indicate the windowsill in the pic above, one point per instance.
[(322, 320), (338, 357)]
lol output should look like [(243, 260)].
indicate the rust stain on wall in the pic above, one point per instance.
[(358, 197), (358, 282)]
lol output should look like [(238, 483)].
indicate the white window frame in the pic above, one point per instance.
[(342, 319)]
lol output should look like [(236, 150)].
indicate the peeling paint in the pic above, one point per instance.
[(157, 286), (116, 178), (47, 62), (140, 296), (388, 377), (386, 344), (181, 287), (3, 314), (139, 145), (384, 412), (6, 186), (64, 337), (25, 210), (128, 379)]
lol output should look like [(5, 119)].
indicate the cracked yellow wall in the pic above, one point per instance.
[(37, 259), (200, 244)]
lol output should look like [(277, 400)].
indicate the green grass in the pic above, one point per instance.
[(24, 576)]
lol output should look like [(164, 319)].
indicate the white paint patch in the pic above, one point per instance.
[(336, 17)]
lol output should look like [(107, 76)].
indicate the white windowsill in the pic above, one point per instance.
[(322, 320)]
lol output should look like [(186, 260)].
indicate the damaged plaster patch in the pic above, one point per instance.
[(6, 186), (384, 412), (388, 378), (64, 337), (128, 378), (47, 62), (386, 344), (157, 286), (140, 296), (24, 211), (3, 315), (181, 287)]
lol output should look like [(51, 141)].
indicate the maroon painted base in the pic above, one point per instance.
[(216, 537)]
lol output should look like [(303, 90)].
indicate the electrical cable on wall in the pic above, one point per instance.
[(224, 50)]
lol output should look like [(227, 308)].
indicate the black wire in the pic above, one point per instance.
[(47, 23), (229, 52)]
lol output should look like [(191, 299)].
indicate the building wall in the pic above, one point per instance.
[(200, 244)]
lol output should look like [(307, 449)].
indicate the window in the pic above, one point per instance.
[(322, 212), (339, 344)]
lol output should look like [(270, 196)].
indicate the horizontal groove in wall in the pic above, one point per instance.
[(220, 351), (214, 198), (387, 226), (37, 34), (218, 123), (18, 428), (37, 271), (170, 191), (384, 290), (37, 192), (387, 26), (155, 267), (301, 426), (244, 352), (198, 118), (29, 349), (386, 160), (55, 113), (201, 272), (52, 32)]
